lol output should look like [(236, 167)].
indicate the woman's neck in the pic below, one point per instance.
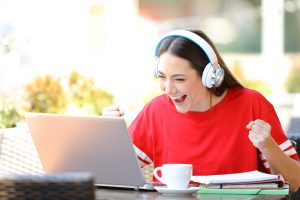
[(217, 99), (208, 101)]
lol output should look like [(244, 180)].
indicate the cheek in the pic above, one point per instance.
[(189, 89), (162, 85), (184, 88)]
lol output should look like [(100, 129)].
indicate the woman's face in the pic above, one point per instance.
[(180, 82)]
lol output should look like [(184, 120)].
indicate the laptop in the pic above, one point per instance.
[(95, 144)]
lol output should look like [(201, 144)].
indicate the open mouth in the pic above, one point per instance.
[(179, 99)]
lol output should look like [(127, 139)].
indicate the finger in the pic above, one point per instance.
[(254, 135), (111, 108), (122, 112), (249, 125), (255, 140), (251, 138), (266, 126), (260, 123), (111, 113), (258, 129)]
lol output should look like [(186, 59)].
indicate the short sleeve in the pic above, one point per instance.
[(141, 136)]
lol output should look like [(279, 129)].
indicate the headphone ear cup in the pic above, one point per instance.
[(219, 76), (207, 75), (209, 80)]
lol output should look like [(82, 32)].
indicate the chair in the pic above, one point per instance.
[(295, 140), (295, 195), (17, 153), (75, 186), (22, 176), (148, 172), (293, 133)]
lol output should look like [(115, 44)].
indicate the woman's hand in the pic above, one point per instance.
[(259, 132), (113, 111)]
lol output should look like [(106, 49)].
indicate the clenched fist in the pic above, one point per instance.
[(259, 132)]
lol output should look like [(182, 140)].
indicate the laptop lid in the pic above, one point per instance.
[(96, 144)]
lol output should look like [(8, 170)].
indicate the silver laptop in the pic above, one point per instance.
[(96, 144)]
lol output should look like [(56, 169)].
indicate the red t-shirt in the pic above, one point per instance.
[(214, 142)]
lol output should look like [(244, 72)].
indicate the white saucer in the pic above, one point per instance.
[(166, 190)]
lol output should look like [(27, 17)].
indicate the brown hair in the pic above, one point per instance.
[(187, 49)]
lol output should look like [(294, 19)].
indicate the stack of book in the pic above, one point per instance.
[(253, 182)]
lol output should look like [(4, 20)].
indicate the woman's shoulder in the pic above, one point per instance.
[(158, 102), (246, 93), (157, 106), (249, 95)]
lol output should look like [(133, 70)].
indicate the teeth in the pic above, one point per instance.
[(175, 97)]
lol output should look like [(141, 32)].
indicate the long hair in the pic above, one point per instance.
[(187, 49)]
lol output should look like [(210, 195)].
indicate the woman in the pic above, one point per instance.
[(207, 118)]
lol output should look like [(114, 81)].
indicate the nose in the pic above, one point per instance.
[(169, 87)]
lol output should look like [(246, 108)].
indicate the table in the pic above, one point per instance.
[(126, 194), (13, 142)]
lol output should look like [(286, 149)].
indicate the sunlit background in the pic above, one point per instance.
[(112, 42)]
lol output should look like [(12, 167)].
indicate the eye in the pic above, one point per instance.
[(161, 76), (180, 79)]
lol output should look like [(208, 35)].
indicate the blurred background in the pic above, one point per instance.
[(78, 56)]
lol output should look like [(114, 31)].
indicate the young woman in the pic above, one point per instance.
[(207, 118)]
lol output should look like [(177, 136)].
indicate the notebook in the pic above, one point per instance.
[(96, 144)]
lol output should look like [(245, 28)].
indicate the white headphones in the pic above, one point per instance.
[(213, 74)]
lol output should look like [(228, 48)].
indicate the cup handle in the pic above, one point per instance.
[(156, 175)]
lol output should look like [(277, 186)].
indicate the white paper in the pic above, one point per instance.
[(235, 178)]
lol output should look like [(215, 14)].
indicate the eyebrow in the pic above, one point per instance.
[(173, 76)]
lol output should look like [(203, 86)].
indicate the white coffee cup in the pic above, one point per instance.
[(175, 176)]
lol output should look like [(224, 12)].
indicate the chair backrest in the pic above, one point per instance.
[(293, 132), (294, 143), (17, 153), (75, 186), (22, 177), (295, 195), (295, 140)]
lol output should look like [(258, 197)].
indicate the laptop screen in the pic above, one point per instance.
[(96, 144)]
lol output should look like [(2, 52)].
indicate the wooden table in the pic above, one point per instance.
[(122, 194)]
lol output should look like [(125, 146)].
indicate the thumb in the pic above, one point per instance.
[(250, 124)]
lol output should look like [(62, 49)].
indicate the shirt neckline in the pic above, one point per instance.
[(197, 113)]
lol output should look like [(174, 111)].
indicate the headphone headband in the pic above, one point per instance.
[(208, 50), (213, 74)]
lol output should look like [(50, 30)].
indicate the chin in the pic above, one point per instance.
[(182, 110)]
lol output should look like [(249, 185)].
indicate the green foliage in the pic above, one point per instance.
[(292, 82), (85, 95), (256, 84), (45, 94), (9, 115)]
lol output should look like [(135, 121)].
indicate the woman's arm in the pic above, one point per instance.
[(280, 163)]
